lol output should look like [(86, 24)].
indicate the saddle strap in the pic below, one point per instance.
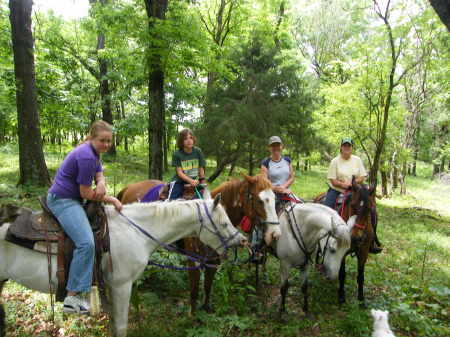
[(60, 271)]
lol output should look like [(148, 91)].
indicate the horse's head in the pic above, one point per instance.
[(261, 205), (362, 202), (216, 229), (334, 245)]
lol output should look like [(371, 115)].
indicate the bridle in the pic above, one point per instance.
[(201, 260)]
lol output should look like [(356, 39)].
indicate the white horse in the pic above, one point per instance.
[(130, 247), (302, 227)]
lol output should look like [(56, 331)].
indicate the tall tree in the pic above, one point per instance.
[(392, 82), (105, 93), (156, 11), (442, 8), (33, 169)]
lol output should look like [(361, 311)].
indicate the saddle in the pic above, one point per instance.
[(41, 231)]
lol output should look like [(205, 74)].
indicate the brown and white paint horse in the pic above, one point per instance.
[(251, 196), (359, 210)]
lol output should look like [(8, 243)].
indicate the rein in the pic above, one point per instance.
[(299, 239), (301, 242), (202, 260)]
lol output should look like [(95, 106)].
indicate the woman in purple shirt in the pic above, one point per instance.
[(72, 184)]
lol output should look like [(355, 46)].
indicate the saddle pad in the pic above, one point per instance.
[(152, 194)]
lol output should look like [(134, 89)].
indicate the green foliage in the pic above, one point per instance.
[(410, 277)]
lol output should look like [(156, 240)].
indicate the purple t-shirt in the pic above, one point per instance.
[(78, 168)]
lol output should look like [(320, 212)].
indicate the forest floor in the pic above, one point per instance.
[(410, 278)]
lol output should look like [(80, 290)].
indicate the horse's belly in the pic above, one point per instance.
[(25, 267)]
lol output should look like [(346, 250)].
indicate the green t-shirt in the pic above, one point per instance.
[(189, 162)]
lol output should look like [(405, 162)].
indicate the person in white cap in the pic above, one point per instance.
[(278, 169)]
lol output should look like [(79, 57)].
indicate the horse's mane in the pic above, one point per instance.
[(169, 209), (231, 190)]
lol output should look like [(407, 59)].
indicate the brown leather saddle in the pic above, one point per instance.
[(41, 232)]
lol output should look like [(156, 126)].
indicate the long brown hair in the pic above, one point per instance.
[(96, 128), (182, 136)]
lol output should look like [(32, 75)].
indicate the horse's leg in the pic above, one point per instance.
[(341, 291), (120, 296), (209, 278), (304, 283), (194, 281), (2, 313), (362, 258), (284, 274)]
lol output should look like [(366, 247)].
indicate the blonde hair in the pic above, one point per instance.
[(96, 128)]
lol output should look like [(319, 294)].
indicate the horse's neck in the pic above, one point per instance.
[(309, 230), (167, 222)]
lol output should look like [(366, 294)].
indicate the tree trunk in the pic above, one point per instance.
[(156, 10), (395, 177), (250, 159), (105, 94), (402, 178), (33, 169), (384, 183), (233, 165), (218, 171), (442, 9)]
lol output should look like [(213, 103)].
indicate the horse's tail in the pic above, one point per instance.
[(119, 196)]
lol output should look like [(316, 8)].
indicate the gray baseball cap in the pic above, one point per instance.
[(275, 139)]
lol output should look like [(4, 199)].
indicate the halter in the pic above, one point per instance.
[(202, 260), (325, 248)]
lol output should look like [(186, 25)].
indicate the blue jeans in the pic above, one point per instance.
[(177, 190), (75, 223), (330, 199)]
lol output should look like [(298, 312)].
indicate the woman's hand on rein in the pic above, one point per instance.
[(100, 191)]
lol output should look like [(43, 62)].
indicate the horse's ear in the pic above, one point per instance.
[(217, 200), (206, 194), (250, 179)]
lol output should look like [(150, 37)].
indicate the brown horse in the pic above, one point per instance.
[(251, 197), (360, 202)]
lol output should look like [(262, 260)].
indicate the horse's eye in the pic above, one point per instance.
[(332, 250)]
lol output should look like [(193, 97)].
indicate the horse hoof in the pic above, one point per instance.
[(362, 305), (341, 301)]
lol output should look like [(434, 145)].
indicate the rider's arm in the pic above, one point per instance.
[(339, 183), (88, 193), (184, 177), (100, 189), (201, 175)]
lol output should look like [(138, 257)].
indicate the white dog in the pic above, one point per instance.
[(380, 324)]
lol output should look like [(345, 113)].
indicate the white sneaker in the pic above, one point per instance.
[(76, 305)]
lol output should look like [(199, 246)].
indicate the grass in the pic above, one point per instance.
[(410, 277)]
